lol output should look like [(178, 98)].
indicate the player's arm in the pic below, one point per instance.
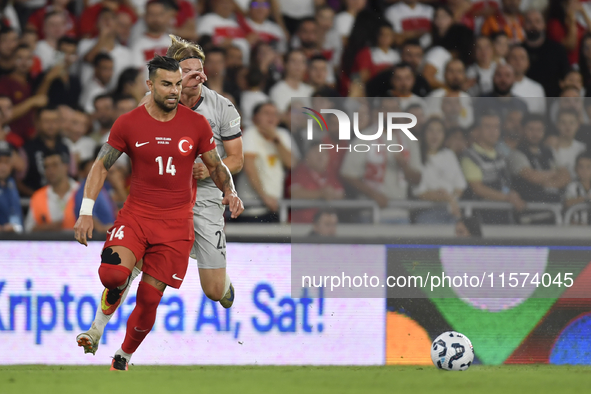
[(94, 183), (220, 174), (234, 159)]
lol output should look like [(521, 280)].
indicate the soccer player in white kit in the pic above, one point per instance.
[(209, 248)]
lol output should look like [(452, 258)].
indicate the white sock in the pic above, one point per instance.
[(227, 284), (123, 354), (100, 319)]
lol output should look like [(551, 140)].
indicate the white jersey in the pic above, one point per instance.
[(224, 120)]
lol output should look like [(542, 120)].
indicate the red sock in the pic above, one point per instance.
[(142, 318)]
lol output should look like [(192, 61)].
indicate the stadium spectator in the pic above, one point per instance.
[(511, 131), (294, 12), (456, 141), (418, 110), (436, 60), (131, 83), (486, 170), (318, 71), (103, 73), (504, 100), (267, 31), (103, 214), (573, 78), (579, 190), (124, 24), (252, 96), (382, 175), (570, 97), (564, 26), (89, 17), (222, 24), (410, 20), (508, 20), (16, 86), (567, 148), (455, 80), (104, 117), (344, 20), (106, 42), (292, 84), (11, 215), (37, 18), (480, 74), (411, 53), (457, 38), (325, 223), (6, 133), (328, 37), (468, 227), (311, 181), (548, 59), (184, 20), (585, 61), (403, 80), (123, 104), (537, 177), (307, 38), (371, 60), (215, 69), (155, 40), (65, 87), (52, 206), (80, 145), (8, 44), (46, 141), (524, 87), (500, 43), (267, 152), (54, 27), (441, 177)]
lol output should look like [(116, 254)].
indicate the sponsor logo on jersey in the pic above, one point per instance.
[(186, 146), (235, 122)]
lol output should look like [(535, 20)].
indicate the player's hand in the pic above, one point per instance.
[(235, 204), (83, 228), (198, 76), (200, 171)]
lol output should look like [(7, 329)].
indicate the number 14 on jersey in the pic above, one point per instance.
[(170, 169)]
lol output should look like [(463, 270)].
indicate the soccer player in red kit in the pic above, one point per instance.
[(162, 140)]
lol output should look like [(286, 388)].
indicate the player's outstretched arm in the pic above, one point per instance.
[(94, 183), (223, 179)]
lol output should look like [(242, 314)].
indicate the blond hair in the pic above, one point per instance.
[(181, 49)]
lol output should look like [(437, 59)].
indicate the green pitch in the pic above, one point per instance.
[(37, 379)]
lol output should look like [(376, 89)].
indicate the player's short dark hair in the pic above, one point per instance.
[(529, 118), (162, 62), (67, 40), (325, 211), (260, 106), (100, 58)]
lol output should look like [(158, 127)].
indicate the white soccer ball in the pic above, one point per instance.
[(452, 351)]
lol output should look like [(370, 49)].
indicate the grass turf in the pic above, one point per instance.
[(33, 379)]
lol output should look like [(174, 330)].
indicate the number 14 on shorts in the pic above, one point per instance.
[(116, 233)]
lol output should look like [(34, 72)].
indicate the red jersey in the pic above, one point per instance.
[(162, 156)]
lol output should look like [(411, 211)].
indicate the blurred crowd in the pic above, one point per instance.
[(498, 87)]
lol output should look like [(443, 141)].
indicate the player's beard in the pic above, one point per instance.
[(163, 105)]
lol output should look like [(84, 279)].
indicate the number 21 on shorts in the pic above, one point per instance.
[(170, 168), (117, 233)]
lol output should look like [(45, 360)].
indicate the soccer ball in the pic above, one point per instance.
[(452, 351)]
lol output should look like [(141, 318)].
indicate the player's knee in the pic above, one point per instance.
[(148, 296), (111, 272), (214, 292)]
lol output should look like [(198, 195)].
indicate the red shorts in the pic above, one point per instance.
[(164, 244)]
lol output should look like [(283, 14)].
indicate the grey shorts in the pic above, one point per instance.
[(209, 248)]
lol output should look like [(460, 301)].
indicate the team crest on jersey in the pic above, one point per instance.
[(186, 146), (211, 123)]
